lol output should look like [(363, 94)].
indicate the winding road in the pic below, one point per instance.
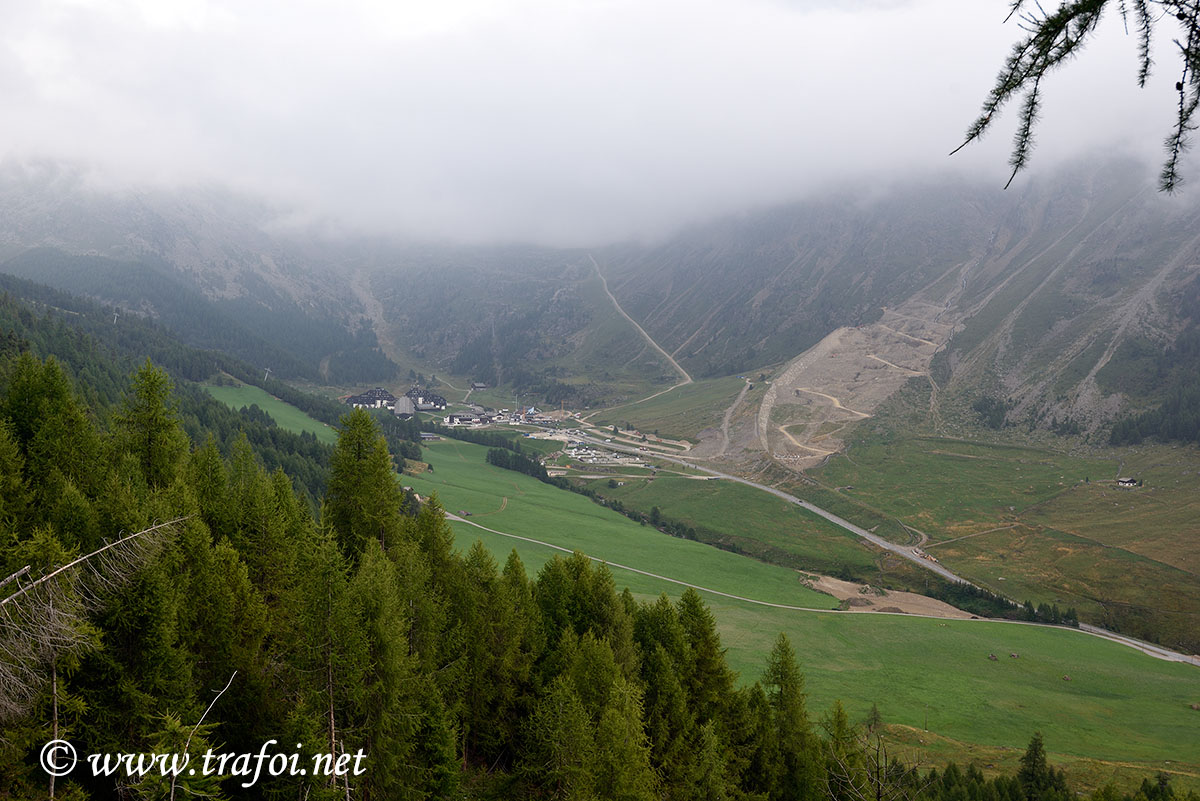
[(899, 550), (1146, 648)]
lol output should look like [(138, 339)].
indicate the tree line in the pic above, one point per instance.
[(511, 460)]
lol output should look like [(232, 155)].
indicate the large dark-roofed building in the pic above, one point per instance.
[(377, 398), (426, 401)]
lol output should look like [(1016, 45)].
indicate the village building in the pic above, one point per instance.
[(426, 401), (466, 419), (377, 398), (1126, 482)]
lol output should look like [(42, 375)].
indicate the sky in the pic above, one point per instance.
[(561, 122)]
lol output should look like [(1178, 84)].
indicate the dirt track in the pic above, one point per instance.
[(728, 414), (687, 379), (843, 378)]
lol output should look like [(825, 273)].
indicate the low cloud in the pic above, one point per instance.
[(551, 121)]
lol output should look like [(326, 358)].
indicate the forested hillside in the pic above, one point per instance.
[(98, 357), (265, 329), (214, 267)]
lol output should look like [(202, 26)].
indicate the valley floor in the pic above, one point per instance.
[(1107, 711), (1063, 682)]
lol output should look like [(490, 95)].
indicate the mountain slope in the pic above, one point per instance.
[(206, 263), (1032, 295)]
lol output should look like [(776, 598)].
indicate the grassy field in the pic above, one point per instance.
[(951, 488), (1159, 520), (517, 504), (540, 446), (681, 413), (286, 416), (494, 397), (735, 509), (1119, 705), (1038, 525)]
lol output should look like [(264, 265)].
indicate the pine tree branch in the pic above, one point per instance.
[(50, 576)]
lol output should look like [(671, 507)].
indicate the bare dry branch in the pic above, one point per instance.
[(870, 773), (45, 618)]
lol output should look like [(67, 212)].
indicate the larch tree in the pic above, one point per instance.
[(709, 681), (622, 768), (798, 769), (363, 500), (148, 427), (1054, 37)]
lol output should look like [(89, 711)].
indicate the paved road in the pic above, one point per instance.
[(1144, 647), (902, 551)]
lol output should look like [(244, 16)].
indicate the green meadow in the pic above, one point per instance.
[(1117, 704), (1040, 525), (949, 488), (736, 510), (517, 504), (681, 413), (286, 416)]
